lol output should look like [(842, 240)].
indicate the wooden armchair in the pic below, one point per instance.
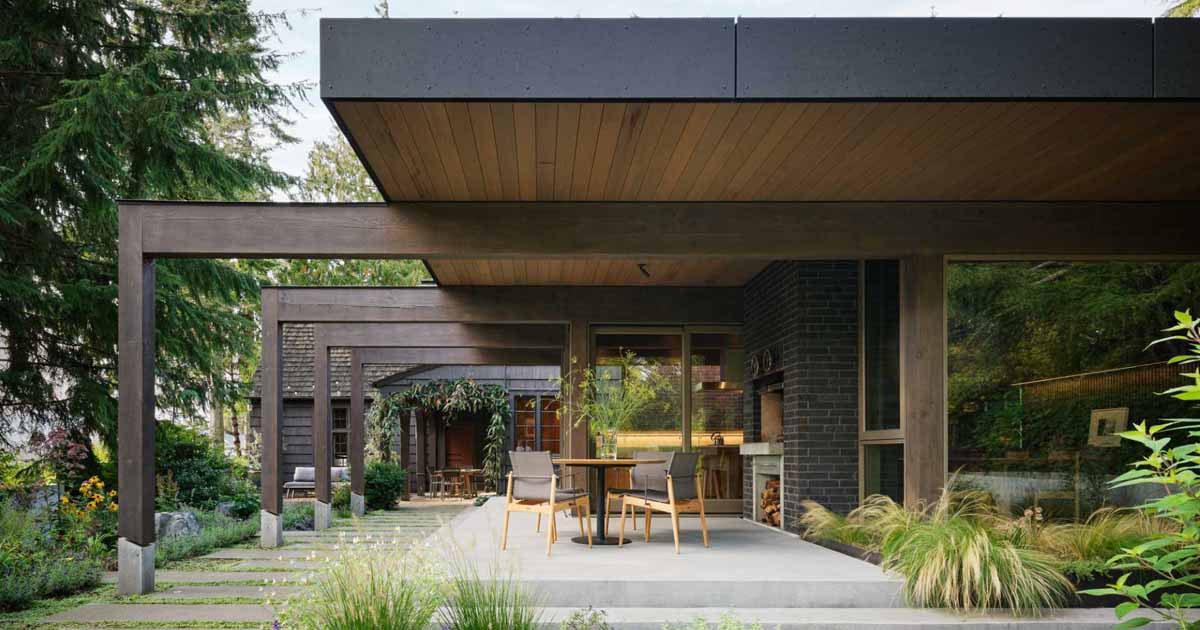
[(533, 487), (683, 493)]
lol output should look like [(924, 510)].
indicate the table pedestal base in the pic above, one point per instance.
[(600, 542)]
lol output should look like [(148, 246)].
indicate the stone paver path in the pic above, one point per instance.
[(227, 586)]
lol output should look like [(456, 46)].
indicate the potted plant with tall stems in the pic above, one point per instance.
[(609, 396)]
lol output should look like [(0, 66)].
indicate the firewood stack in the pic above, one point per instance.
[(769, 503)]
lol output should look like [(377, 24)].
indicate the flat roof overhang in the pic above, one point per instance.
[(761, 110)]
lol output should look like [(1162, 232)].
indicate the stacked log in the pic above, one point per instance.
[(768, 505)]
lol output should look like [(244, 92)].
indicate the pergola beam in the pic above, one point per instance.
[(811, 231)]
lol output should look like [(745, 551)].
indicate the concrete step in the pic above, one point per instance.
[(715, 592), (846, 619)]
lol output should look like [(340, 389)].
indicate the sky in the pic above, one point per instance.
[(312, 120)]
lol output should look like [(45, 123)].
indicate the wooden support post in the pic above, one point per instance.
[(576, 359), (406, 450), (923, 374), (357, 428), (322, 434), (135, 410), (271, 533), (422, 454)]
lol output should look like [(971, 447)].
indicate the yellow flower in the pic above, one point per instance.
[(65, 500), (112, 493), (112, 507)]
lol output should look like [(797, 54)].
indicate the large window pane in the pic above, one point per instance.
[(881, 345), (659, 427), (883, 470), (1046, 361)]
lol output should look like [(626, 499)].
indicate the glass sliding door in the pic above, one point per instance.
[(716, 408)]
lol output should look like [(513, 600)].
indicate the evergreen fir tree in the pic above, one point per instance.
[(123, 99)]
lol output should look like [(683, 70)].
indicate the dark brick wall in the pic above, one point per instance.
[(806, 313)]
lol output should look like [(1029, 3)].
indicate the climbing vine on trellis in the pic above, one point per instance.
[(452, 399)]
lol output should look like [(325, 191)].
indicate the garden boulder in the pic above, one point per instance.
[(169, 524)]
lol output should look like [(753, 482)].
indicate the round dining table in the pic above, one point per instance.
[(601, 466)]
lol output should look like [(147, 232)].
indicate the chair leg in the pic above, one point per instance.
[(587, 517), (675, 527), (538, 528), (703, 522), (608, 512), (554, 525), (579, 513), (550, 535), (647, 528), (621, 529), (633, 516), (504, 536)]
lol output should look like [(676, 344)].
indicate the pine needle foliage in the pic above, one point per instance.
[(124, 99)]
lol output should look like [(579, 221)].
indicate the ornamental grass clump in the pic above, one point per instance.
[(954, 553), (821, 523), (369, 583), (487, 602)]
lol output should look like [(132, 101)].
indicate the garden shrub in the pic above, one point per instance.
[(587, 619), (216, 531), (202, 473), (386, 483), (341, 498), (37, 561), (244, 506), (298, 516)]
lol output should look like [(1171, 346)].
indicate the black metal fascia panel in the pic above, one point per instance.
[(1177, 58), (945, 58), (527, 59)]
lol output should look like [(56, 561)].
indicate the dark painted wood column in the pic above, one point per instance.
[(272, 406), (406, 448), (135, 409), (422, 454), (357, 424), (322, 434), (135, 374), (923, 374)]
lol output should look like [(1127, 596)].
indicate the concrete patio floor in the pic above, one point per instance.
[(746, 566)]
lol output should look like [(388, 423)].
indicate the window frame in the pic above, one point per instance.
[(878, 437)]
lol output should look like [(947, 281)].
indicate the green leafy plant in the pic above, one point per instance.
[(244, 506), (1171, 464), (202, 475), (587, 619), (340, 500), (385, 484), (298, 516), (608, 397), (36, 561), (454, 400)]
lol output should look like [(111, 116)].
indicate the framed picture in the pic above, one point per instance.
[(1106, 424)]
